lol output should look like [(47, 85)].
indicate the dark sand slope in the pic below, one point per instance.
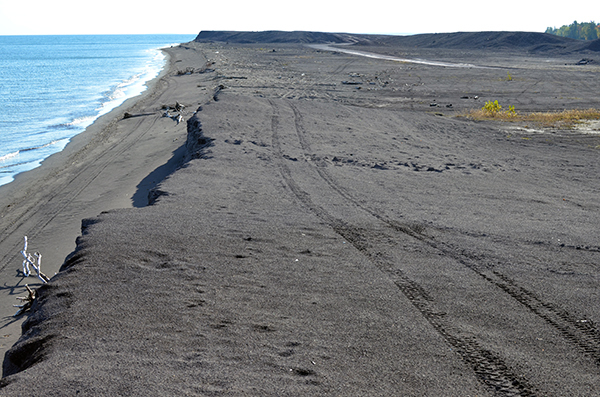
[(330, 240), (112, 165)]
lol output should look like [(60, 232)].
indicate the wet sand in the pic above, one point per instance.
[(336, 230)]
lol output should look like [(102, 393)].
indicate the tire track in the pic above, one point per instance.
[(489, 368), (342, 67), (583, 334)]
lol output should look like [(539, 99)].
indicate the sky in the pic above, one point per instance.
[(48, 17)]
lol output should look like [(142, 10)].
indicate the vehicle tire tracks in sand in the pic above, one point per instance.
[(584, 335), (489, 367)]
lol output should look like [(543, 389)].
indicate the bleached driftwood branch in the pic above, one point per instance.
[(35, 261), (178, 108), (27, 301)]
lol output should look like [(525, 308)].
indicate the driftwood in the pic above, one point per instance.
[(177, 108), (27, 301), (34, 261)]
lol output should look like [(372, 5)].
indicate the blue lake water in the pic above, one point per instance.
[(53, 87)]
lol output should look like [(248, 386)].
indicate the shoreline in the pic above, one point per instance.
[(49, 202), (111, 71), (100, 122)]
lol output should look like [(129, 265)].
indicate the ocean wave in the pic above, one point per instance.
[(120, 90), (16, 165), (132, 86), (78, 122), (24, 158), (9, 156), (108, 100), (45, 145)]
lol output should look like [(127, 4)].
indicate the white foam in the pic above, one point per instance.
[(9, 156), (81, 121), (134, 85)]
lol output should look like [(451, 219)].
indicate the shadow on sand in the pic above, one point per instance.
[(141, 197)]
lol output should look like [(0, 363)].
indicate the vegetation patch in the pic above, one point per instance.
[(565, 119)]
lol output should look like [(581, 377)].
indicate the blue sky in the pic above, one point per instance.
[(374, 16)]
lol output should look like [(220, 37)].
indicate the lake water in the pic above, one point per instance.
[(53, 87)]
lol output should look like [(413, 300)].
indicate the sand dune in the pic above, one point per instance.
[(532, 42)]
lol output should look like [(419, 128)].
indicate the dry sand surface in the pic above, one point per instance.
[(327, 226)]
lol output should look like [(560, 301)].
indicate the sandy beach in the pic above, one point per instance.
[(114, 164), (321, 223)]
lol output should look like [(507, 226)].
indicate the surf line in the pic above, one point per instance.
[(327, 47)]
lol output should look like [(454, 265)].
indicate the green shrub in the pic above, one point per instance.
[(494, 109), (491, 107)]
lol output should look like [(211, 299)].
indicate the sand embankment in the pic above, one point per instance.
[(338, 231), (113, 164)]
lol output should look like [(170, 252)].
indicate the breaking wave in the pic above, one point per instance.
[(9, 156)]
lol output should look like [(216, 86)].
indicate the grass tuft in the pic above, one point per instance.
[(565, 119)]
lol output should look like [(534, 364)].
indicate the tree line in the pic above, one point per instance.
[(579, 31)]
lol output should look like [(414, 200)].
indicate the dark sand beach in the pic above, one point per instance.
[(321, 223)]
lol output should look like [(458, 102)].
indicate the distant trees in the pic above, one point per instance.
[(579, 31)]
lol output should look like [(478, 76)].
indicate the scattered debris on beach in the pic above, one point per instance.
[(584, 61), (178, 107), (27, 301), (186, 71), (34, 261), (351, 82)]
